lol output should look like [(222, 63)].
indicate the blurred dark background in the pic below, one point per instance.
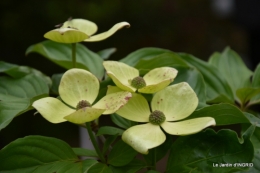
[(196, 27)]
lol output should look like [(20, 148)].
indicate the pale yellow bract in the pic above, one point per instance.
[(156, 79), (77, 85), (78, 30), (176, 102)]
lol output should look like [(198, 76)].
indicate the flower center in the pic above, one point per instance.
[(157, 117), (138, 82), (82, 104)]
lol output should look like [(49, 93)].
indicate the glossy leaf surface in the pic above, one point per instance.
[(36, 154), (122, 122), (159, 152), (224, 114), (85, 152), (106, 53), (55, 83), (107, 130), (17, 95), (60, 54), (100, 168), (202, 151), (256, 83), (121, 154), (133, 167), (17, 71), (232, 68), (246, 94), (145, 53), (162, 60), (215, 84)]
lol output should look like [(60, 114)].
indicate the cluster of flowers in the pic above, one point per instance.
[(79, 88)]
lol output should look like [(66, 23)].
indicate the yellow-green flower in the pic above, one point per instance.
[(77, 30), (78, 89), (127, 78), (168, 107)]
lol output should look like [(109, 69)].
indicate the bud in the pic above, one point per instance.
[(157, 117), (138, 82), (82, 104)]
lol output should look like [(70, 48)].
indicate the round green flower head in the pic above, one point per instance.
[(78, 30), (83, 104), (138, 82), (157, 117)]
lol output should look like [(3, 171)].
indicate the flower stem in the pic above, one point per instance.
[(94, 142), (73, 50)]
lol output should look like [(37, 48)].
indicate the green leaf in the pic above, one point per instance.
[(195, 80), (162, 60), (159, 152), (224, 114), (85, 152), (256, 77), (55, 83), (106, 53), (201, 152), (152, 171), (60, 54), (256, 143), (246, 94), (256, 83), (232, 68), (17, 95), (220, 99), (132, 167), (10, 107), (253, 119), (100, 168), (145, 53), (247, 134), (108, 142), (255, 139), (215, 84), (39, 154), (121, 154), (87, 164), (213, 59), (122, 122), (26, 87), (16, 71), (107, 130)]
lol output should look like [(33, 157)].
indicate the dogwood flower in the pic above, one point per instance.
[(78, 89), (127, 78), (77, 30), (168, 106)]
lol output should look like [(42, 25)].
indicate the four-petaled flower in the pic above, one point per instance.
[(77, 30), (174, 103), (78, 89), (127, 78)]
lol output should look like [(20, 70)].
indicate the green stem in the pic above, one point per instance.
[(73, 50), (94, 142)]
